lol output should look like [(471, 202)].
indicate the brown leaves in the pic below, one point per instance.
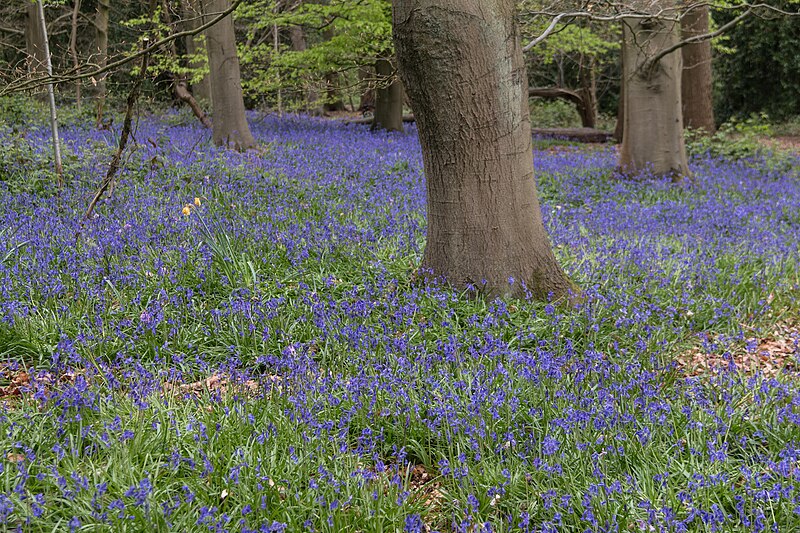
[(220, 383), (18, 381), (774, 354)]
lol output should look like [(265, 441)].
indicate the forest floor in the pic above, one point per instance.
[(237, 342)]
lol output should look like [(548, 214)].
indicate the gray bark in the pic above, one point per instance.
[(652, 138), (50, 94), (230, 126), (462, 65)]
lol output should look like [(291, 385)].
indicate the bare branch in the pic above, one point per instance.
[(73, 75)]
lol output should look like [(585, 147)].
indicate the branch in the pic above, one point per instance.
[(696, 39), (71, 76)]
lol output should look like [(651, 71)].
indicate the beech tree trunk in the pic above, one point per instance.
[(101, 56), (696, 84), (230, 126), (462, 65), (195, 47), (297, 36), (389, 96), (652, 138)]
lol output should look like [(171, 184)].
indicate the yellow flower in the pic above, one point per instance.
[(197, 202), (187, 210)]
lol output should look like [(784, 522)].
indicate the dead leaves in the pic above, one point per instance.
[(222, 384), (773, 355), (18, 382)]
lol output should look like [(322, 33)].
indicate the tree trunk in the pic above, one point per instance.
[(652, 138), (35, 45), (73, 50), (588, 92), (389, 97), (195, 47), (696, 85), (462, 65), (101, 58), (230, 126), (50, 94), (297, 36), (366, 103)]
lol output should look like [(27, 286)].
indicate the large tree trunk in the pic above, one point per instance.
[(696, 85), (462, 65), (101, 56), (389, 96), (652, 138), (230, 126), (195, 47)]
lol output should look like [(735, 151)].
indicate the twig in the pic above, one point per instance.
[(133, 96)]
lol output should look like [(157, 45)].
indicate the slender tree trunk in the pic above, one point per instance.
[(696, 84), (297, 36), (652, 138), (230, 126), (51, 96), (73, 49), (333, 101), (462, 65), (195, 47), (588, 92), (101, 57), (35, 45), (389, 98), (367, 101)]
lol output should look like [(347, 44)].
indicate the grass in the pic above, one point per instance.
[(347, 396)]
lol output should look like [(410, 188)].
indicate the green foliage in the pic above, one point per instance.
[(553, 114), (736, 139), (759, 72), (341, 36)]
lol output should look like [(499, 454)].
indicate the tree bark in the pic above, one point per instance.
[(297, 36), (51, 95), (195, 47), (101, 51), (230, 126), (462, 65), (652, 138), (389, 96), (366, 103), (73, 50), (180, 85), (588, 92), (696, 84), (35, 45)]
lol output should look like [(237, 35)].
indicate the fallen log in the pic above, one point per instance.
[(582, 135)]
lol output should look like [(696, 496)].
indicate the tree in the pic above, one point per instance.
[(230, 126), (101, 51), (462, 65), (389, 96), (652, 136), (35, 41), (696, 83)]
